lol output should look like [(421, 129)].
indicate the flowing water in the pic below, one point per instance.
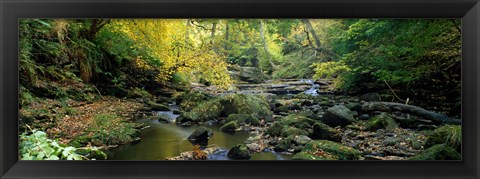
[(165, 140)]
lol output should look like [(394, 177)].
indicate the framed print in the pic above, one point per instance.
[(239, 89)]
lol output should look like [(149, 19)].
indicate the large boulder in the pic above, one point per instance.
[(438, 152), (324, 132), (244, 119), (338, 115), (201, 135), (370, 97), (251, 74), (239, 152), (382, 121), (229, 126)]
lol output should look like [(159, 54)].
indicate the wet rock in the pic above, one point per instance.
[(244, 119), (284, 144), (161, 118), (301, 140), (229, 126), (364, 117), (438, 152), (201, 135), (382, 121), (254, 147), (307, 102), (275, 130), (338, 115), (354, 107), (158, 107), (390, 141), (325, 132), (239, 152), (370, 97), (184, 119), (293, 131), (176, 111)]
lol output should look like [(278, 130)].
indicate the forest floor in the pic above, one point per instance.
[(68, 119)]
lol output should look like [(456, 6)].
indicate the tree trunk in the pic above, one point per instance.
[(390, 106), (265, 47), (312, 31), (212, 36)]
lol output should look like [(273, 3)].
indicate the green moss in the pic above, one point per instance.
[(297, 121), (275, 130), (382, 121), (284, 144), (244, 118), (245, 104), (308, 156), (292, 131), (189, 100), (205, 111), (438, 152), (325, 132), (331, 150), (451, 135), (230, 126)]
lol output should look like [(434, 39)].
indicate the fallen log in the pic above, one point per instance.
[(414, 110)]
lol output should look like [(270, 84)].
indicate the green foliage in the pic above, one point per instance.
[(438, 152), (37, 146), (329, 69), (451, 135)]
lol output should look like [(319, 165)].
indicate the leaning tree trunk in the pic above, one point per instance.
[(265, 47), (390, 106), (312, 31)]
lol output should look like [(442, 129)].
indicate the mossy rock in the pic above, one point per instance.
[(281, 109), (382, 121), (324, 149), (201, 134), (205, 111), (80, 141), (245, 104), (229, 126), (324, 132), (293, 131), (275, 130), (239, 152), (438, 152), (338, 115), (297, 121), (92, 154), (284, 144), (189, 100), (451, 135), (158, 107), (308, 156), (244, 118)]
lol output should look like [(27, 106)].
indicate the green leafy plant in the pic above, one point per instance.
[(37, 146)]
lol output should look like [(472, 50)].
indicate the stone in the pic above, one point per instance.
[(390, 141), (369, 97), (229, 126), (201, 135), (382, 121), (239, 152), (325, 132), (438, 152), (301, 140), (158, 107), (338, 115)]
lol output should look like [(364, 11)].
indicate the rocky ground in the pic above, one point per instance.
[(327, 125)]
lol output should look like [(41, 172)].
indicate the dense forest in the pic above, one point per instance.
[(260, 89)]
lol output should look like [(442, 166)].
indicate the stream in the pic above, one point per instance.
[(164, 140)]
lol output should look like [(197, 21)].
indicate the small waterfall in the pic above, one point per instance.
[(313, 90)]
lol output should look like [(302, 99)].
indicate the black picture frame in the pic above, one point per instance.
[(12, 10)]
